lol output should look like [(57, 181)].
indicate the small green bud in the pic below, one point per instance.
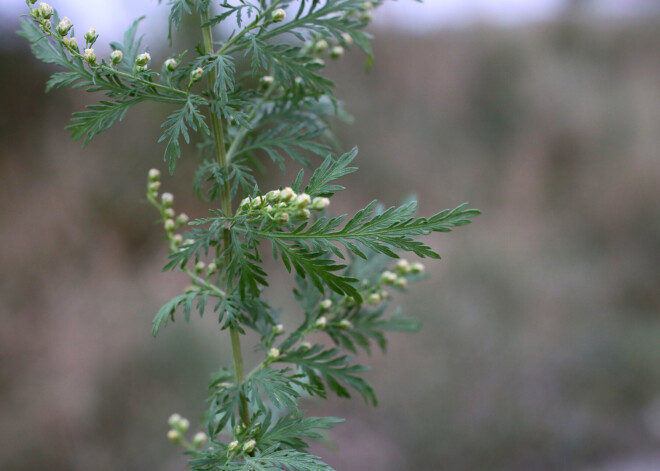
[(191, 289), (373, 298), (388, 277), (33, 2), (169, 225), (45, 26), (417, 267), (183, 424), (182, 219), (116, 57), (321, 322), (336, 52), (273, 196), (169, 212), (199, 439), (256, 202), (401, 283), (240, 428), (199, 267), (318, 61), (64, 27), (154, 174), (171, 64), (273, 354), (211, 268), (305, 345), (167, 199), (320, 46), (278, 15), (320, 203), (174, 420), (174, 436), (90, 56), (345, 324), (248, 446), (303, 200), (177, 239), (282, 218), (287, 194), (403, 267), (91, 36), (233, 446), (348, 39), (143, 59), (278, 329), (73, 44), (304, 213), (366, 16), (196, 74), (266, 81), (45, 10), (325, 304)]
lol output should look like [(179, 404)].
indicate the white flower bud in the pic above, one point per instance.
[(91, 36), (244, 202), (266, 81), (196, 74), (287, 194), (64, 26), (303, 200), (318, 61), (116, 57), (174, 420), (169, 225), (388, 277), (167, 199), (256, 202), (199, 439), (182, 219), (273, 196), (278, 15), (366, 15), (305, 345), (90, 56), (154, 173), (171, 64), (373, 298), (273, 353), (278, 329), (199, 266), (417, 267), (345, 324), (401, 283), (320, 46), (321, 322), (248, 446), (336, 52), (73, 44), (348, 39), (233, 446), (282, 218), (403, 266), (45, 10), (174, 436), (304, 214), (143, 59), (177, 239), (320, 203), (325, 304), (154, 186), (184, 424), (169, 212), (211, 268)]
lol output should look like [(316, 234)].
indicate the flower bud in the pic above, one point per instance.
[(199, 439), (154, 173), (248, 446), (45, 10), (169, 225), (403, 267), (401, 283), (171, 64), (211, 268), (345, 324), (64, 26), (199, 267), (45, 26), (303, 200), (116, 57), (167, 199), (183, 424), (373, 298), (320, 46), (266, 81), (320, 203), (287, 194), (90, 56), (336, 52), (388, 277), (282, 218), (304, 213), (174, 436), (177, 239), (348, 39), (233, 446), (143, 59), (169, 212), (273, 354), (91, 36), (174, 420), (417, 268), (196, 74), (366, 15), (321, 322), (273, 196), (72, 43), (305, 345), (278, 329), (278, 15), (256, 202), (325, 304), (154, 186), (318, 62), (182, 219)]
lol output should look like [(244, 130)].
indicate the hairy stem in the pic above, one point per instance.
[(221, 158)]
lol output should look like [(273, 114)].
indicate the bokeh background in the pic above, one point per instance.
[(541, 346)]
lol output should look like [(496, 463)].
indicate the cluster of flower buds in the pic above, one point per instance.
[(42, 15), (399, 277), (365, 12), (235, 447), (281, 205), (171, 221), (179, 426)]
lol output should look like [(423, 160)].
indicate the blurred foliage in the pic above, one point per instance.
[(542, 335)]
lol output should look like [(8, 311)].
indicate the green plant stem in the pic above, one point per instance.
[(221, 158)]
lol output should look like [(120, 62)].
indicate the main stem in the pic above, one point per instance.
[(221, 158)]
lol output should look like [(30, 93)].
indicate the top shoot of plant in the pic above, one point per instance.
[(345, 267)]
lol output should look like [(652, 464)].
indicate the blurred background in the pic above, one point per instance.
[(541, 345)]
